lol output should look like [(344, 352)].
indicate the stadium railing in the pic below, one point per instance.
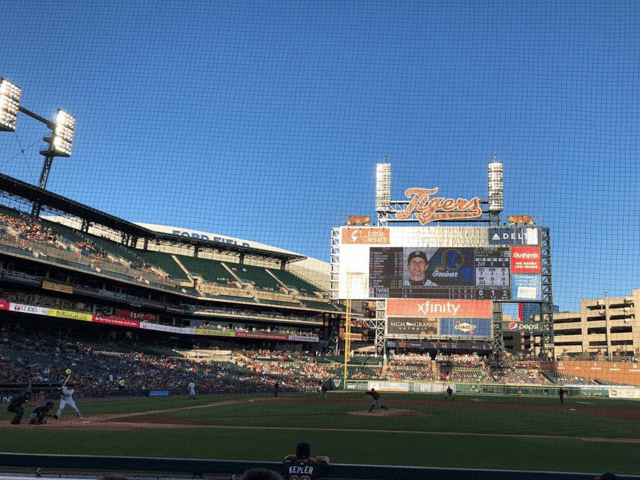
[(198, 468)]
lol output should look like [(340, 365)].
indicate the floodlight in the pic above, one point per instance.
[(496, 186), (9, 105), (62, 141), (383, 186)]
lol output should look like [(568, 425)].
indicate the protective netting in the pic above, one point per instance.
[(264, 122)]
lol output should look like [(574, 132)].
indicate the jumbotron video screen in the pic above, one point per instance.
[(465, 263)]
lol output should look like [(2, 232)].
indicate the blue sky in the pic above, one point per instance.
[(264, 120)]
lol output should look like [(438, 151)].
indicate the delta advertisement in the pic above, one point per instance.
[(87, 317)]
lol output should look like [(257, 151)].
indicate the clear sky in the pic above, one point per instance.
[(264, 120)]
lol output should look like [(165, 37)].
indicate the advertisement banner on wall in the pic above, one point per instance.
[(412, 326), (365, 236), (526, 287), (621, 392), (389, 386), (85, 317), (116, 321), (32, 309), (167, 328), (526, 260), (532, 327), (430, 387), (465, 327), (303, 338), (397, 307), (215, 333), (351, 385), (265, 336), (513, 236)]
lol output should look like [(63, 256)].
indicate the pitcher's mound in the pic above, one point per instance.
[(394, 412)]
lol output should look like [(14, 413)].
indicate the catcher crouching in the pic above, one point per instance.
[(39, 415)]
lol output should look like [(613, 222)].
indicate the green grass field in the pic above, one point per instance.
[(513, 433)]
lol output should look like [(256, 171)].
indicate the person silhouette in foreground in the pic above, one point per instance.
[(260, 474), (303, 465)]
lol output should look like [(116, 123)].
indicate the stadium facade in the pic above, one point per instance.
[(86, 267)]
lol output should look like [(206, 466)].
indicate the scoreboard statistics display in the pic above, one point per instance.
[(457, 263), (451, 272)]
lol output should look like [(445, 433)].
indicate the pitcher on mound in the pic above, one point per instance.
[(375, 399)]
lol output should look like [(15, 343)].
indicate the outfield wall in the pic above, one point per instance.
[(199, 468), (601, 391)]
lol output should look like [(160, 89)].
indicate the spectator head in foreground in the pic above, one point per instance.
[(607, 476), (303, 450), (261, 474)]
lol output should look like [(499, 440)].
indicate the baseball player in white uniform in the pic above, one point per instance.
[(67, 399), (192, 390)]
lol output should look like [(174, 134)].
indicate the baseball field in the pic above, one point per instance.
[(488, 432)]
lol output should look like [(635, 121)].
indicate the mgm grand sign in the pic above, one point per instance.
[(412, 326)]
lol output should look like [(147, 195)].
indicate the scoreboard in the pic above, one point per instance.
[(453, 273), (456, 263)]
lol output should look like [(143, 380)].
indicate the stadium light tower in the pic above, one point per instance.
[(383, 190), (62, 131), (496, 190), (60, 143), (9, 105)]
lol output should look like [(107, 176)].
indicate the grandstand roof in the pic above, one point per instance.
[(50, 200)]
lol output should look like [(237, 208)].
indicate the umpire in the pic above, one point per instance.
[(17, 407)]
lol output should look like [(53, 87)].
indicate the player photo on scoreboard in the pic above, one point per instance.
[(439, 272), (443, 266), (416, 271)]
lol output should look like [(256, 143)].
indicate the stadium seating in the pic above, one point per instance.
[(563, 378), (291, 280), (212, 271), (165, 262), (256, 276)]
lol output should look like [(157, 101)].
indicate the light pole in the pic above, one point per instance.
[(60, 141), (496, 190), (9, 105)]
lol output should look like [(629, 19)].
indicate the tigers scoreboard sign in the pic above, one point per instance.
[(455, 263)]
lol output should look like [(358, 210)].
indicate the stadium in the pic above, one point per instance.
[(193, 292)]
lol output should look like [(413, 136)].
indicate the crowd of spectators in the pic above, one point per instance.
[(28, 358), (29, 230), (28, 234), (43, 360)]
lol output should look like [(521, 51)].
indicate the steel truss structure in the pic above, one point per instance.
[(546, 338), (547, 349)]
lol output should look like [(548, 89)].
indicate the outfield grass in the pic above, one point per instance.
[(453, 435)]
